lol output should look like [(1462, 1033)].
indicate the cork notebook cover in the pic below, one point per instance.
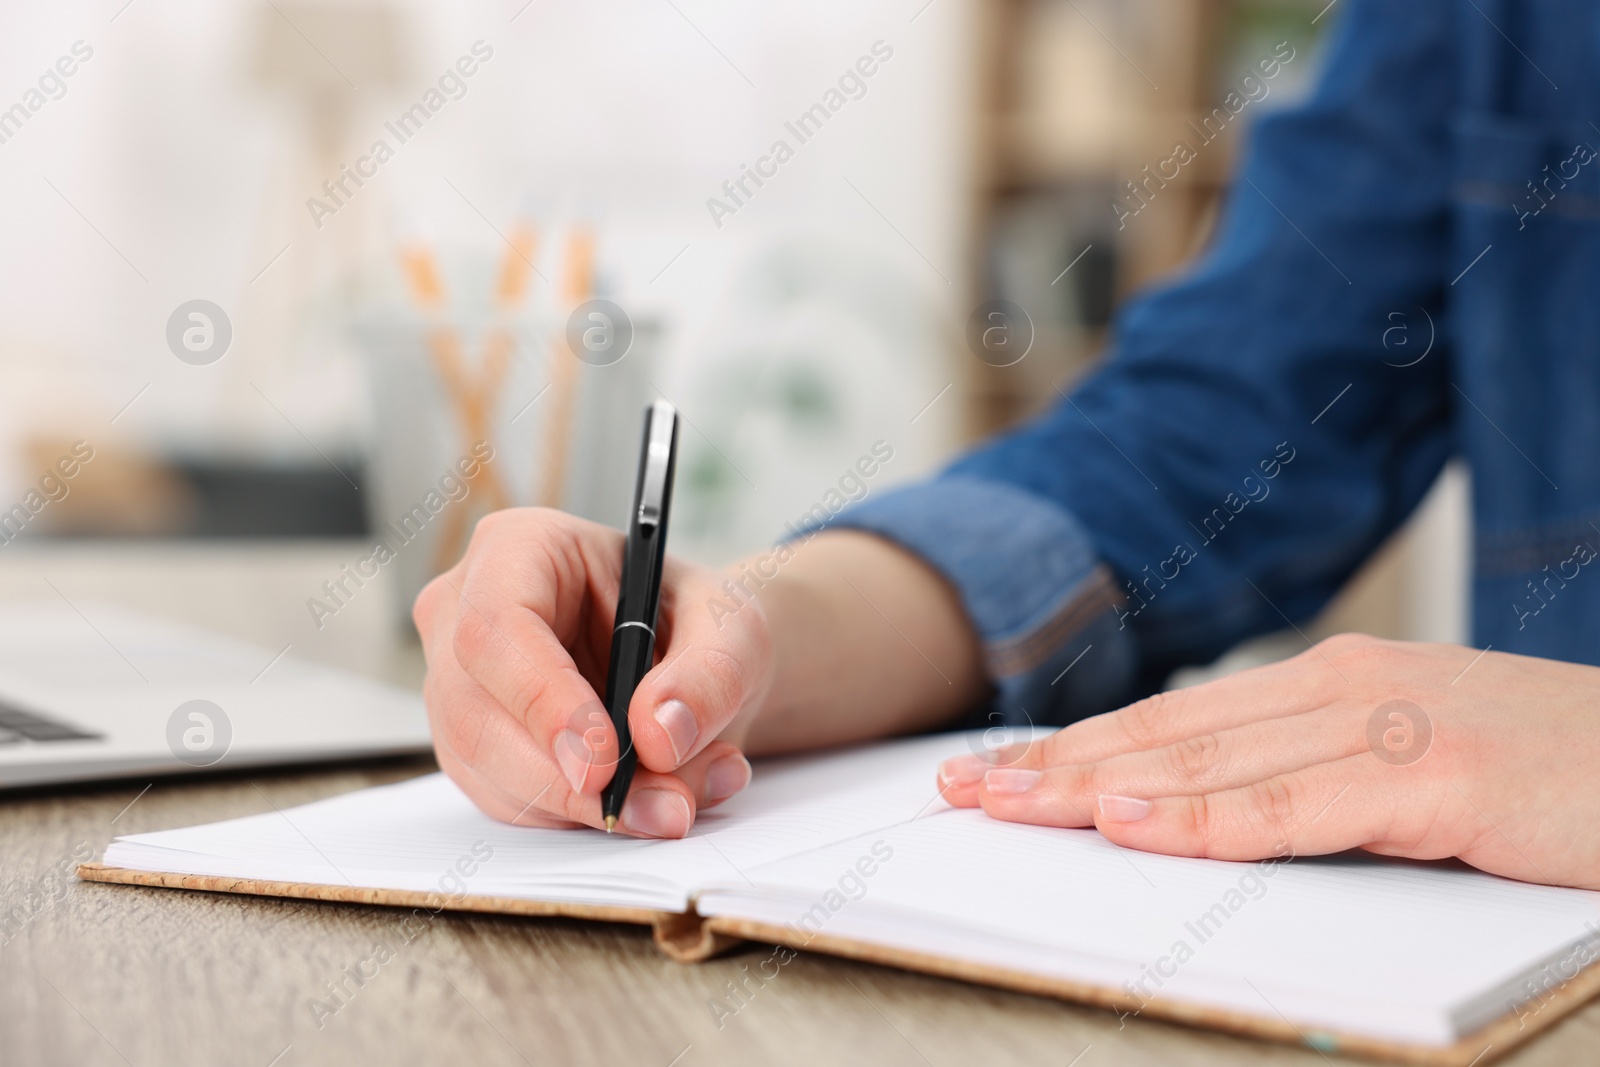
[(854, 854)]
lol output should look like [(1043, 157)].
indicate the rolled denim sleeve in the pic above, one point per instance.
[(1246, 443), (1033, 588)]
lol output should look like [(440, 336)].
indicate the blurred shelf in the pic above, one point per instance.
[(1085, 100), (134, 495), (1035, 156)]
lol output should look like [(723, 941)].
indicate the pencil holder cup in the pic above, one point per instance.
[(474, 411)]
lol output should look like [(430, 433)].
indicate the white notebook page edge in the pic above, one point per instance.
[(795, 809), (424, 834), (1394, 959)]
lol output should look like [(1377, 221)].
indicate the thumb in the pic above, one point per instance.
[(716, 662)]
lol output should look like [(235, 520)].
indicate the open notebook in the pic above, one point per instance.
[(854, 853)]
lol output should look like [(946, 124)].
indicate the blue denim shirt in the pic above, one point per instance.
[(1259, 426)]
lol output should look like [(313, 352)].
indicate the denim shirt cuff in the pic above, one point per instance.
[(1032, 585)]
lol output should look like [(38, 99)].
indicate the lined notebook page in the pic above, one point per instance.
[(1417, 952), (426, 835)]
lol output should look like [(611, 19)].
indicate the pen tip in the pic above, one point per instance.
[(611, 823)]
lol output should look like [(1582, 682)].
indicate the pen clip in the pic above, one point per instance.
[(658, 455)]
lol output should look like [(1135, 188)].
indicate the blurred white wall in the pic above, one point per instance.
[(178, 161)]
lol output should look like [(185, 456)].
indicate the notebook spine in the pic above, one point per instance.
[(690, 938)]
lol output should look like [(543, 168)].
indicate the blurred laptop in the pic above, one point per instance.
[(93, 691)]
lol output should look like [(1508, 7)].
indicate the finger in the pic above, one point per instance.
[(1288, 688), (657, 805), (1205, 763), (1279, 689), (500, 766), (510, 650), (959, 779), (437, 596), (712, 667), (495, 754), (508, 766), (665, 805), (496, 803), (720, 771), (1327, 808)]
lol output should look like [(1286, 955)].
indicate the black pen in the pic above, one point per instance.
[(633, 634)]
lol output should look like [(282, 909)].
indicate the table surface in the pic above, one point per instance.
[(104, 974)]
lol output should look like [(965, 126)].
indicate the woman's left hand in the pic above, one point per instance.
[(1399, 748)]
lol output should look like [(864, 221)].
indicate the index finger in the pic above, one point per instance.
[(1288, 687), (510, 649)]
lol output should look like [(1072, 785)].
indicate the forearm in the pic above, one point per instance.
[(868, 641)]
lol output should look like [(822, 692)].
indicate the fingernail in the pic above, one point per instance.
[(1009, 780), (656, 812), (571, 755), (1123, 809), (727, 776), (963, 770), (678, 721)]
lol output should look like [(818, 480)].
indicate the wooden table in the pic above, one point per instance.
[(100, 974)]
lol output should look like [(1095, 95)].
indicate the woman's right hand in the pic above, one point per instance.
[(517, 637)]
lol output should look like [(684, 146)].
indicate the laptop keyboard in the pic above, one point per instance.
[(17, 726)]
